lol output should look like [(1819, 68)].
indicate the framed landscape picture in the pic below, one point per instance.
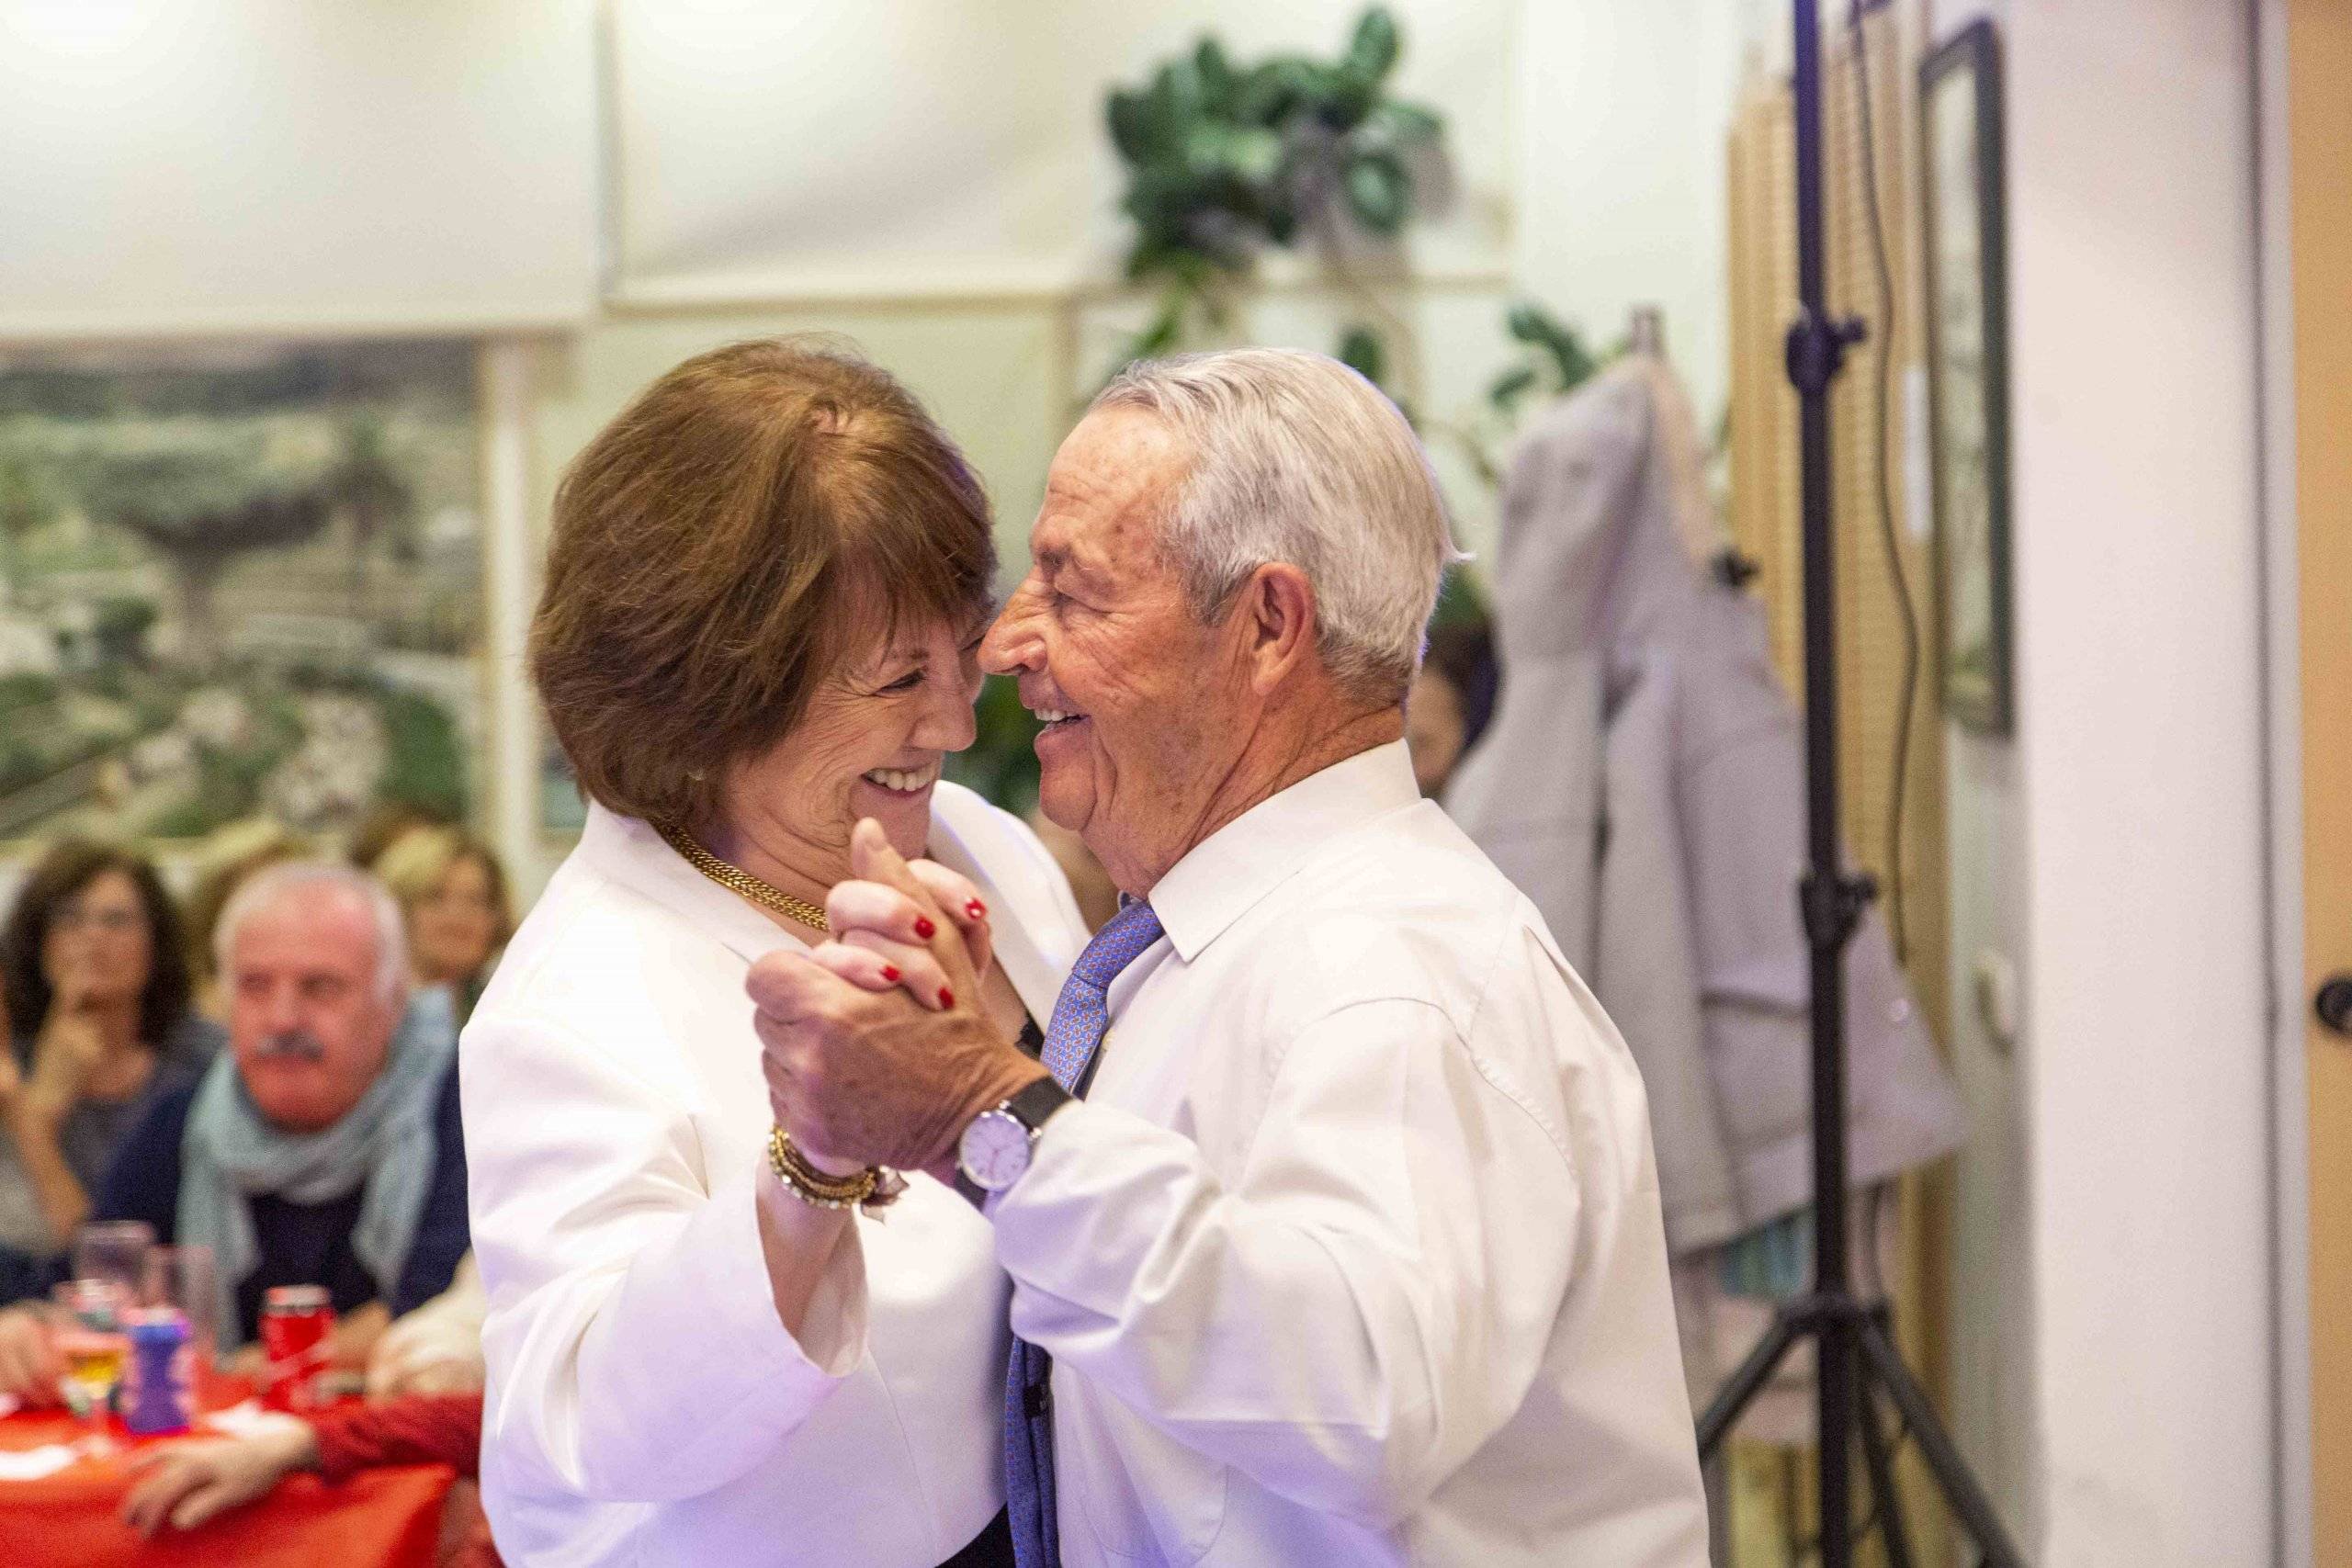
[(1965, 238), (237, 579)]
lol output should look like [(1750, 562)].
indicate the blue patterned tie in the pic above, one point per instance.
[(1080, 1015)]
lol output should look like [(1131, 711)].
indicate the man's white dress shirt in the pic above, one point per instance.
[(1353, 1252), (646, 1405)]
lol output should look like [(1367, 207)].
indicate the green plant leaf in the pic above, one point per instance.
[(1362, 351), (1459, 602), (1524, 322), (1373, 50), (1224, 156), (1161, 334), (1270, 92), (1219, 84), (1172, 103), (1571, 362), (1401, 124), (1248, 154), (1282, 220), (1345, 97), (1378, 190), (1129, 117), (1511, 386)]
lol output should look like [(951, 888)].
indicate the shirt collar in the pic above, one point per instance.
[(631, 853), (1223, 876)]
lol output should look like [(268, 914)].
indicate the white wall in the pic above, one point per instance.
[(173, 166), (2113, 1213), (926, 147), (1623, 111)]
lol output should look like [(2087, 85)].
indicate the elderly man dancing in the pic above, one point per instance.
[(1330, 1210)]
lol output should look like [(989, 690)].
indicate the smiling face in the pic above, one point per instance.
[(1147, 708), (308, 1022), (870, 745)]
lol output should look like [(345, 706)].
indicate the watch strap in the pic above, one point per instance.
[(1040, 1099)]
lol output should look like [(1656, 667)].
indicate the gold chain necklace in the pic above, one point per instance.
[(735, 879)]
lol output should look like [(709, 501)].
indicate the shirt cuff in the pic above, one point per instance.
[(702, 1317), (832, 1339), (1096, 1175)]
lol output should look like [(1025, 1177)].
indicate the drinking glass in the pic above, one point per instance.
[(182, 1277), (115, 1251), (94, 1348)]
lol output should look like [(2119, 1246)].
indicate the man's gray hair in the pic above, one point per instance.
[(268, 884), (1297, 458)]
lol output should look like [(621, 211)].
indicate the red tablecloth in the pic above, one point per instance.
[(378, 1518)]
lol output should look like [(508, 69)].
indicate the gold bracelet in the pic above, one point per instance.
[(871, 1190)]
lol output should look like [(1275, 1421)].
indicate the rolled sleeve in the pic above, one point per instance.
[(635, 1349)]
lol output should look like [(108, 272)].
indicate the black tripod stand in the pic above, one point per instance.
[(1854, 1350)]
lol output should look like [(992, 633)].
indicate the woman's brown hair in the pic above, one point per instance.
[(758, 516), (71, 865)]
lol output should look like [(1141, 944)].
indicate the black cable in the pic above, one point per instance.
[(1881, 367)]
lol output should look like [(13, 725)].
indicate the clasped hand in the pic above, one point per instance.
[(876, 1044)]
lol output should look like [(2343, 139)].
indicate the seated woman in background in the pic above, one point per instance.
[(98, 989), (452, 892), (184, 1485)]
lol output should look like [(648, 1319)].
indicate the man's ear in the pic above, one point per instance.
[(1278, 623)]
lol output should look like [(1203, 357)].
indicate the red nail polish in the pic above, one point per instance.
[(924, 929), (947, 998), (890, 973), (977, 910)]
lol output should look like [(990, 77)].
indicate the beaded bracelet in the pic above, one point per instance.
[(873, 1189)]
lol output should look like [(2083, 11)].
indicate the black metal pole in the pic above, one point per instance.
[(1842, 1329), (1813, 347)]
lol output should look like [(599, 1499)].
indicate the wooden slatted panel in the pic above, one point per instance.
[(2319, 133), (1764, 504), (1761, 170)]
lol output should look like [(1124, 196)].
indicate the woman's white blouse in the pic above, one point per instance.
[(645, 1403)]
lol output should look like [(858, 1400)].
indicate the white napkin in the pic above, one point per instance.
[(32, 1464), (242, 1420)]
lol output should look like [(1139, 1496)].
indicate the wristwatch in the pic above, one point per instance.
[(995, 1149)]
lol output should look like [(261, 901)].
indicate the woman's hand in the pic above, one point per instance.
[(30, 1365), (881, 938), (67, 1050), (186, 1483), (859, 1077)]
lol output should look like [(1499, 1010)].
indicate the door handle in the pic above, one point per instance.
[(2332, 1003)]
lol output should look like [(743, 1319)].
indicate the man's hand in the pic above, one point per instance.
[(186, 1483), (860, 1078), (30, 1365)]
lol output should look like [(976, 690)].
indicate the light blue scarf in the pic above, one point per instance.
[(386, 1142)]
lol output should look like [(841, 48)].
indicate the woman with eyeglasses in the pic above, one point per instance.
[(95, 981)]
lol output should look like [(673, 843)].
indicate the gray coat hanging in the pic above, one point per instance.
[(1643, 783)]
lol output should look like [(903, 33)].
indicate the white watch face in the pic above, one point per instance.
[(994, 1150)]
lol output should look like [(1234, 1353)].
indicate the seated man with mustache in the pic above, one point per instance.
[(323, 1147)]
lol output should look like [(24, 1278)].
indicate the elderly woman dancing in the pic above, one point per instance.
[(765, 590)]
